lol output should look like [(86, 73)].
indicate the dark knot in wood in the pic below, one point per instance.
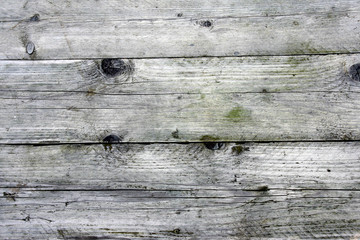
[(112, 139), (35, 18), (213, 145), (354, 72), (113, 67), (205, 23)]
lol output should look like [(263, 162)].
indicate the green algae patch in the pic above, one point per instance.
[(208, 138), (239, 114), (237, 149)]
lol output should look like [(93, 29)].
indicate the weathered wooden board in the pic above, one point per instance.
[(183, 75), (92, 10), (181, 100), (180, 191), (266, 92), (303, 165), (97, 29), (212, 214)]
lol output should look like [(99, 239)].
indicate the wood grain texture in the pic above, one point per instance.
[(181, 191), (234, 119), (229, 99), (97, 29), (302, 165)]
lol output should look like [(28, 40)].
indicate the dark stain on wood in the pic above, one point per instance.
[(10, 196), (238, 149), (175, 134), (263, 188)]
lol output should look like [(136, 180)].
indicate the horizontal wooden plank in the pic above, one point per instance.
[(93, 29), (180, 191), (91, 10), (181, 100), (183, 75), (226, 117), (180, 215), (250, 166)]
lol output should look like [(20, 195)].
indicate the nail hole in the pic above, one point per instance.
[(180, 14), (113, 67), (354, 72), (30, 48), (112, 139)]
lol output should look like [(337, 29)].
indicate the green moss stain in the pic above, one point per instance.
[(175, 134), (61, 233), (239, 114), (90, 92), (237, 149), (298, 60), (107, 146), (208, 138)]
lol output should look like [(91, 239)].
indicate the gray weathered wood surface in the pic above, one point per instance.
[(259, 190), (128, 29), (213, 120), (230, 99)]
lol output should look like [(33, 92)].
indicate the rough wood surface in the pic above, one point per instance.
[(211, 214), (221, 119), (97, 29), (303, 165), (181, 191), (180, 100)]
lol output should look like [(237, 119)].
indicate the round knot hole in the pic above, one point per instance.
[(354, 72), (35, 18), (205, 23), (113, 67), (112, 139), (213, 145)]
